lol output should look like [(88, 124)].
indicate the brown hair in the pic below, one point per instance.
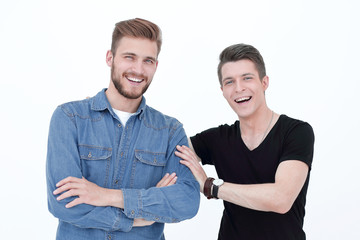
[(238, 52), (136, 28)]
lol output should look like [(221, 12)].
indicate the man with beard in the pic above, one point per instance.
[(111, 168)]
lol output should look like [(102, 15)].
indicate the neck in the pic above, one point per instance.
[(256, 123), (254, 129), (120, 102)]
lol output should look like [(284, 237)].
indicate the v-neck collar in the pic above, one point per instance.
[(265, 139)]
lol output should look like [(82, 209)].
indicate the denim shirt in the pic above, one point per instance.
[(87, 139)]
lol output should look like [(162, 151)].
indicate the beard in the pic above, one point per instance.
[(116, 79)]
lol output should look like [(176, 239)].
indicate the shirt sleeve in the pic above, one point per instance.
[(299, 144), (166, 204), (63, 160), (202, 144)]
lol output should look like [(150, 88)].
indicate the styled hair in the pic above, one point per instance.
[(238, 52), (136, 28)]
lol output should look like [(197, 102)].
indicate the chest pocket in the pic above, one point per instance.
[(147, 169), (95, 163)]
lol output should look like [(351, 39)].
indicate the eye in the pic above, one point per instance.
[(227, 82), (247, 78), (129, 57), (149, 61)]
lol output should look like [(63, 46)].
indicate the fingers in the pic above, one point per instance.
[(68, 180), (84, 191), (160, 183), (186, 163), (69, 187), (186, 153), (192, 161), (67, 184), (184, 149), (73, 203), (140, 222), (66, 187), (173, 181), (167, 180), (70, 193)]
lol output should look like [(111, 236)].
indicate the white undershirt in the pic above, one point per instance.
[(124, 116)]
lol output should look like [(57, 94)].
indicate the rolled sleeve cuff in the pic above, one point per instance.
[(132, 203), (123, 223)]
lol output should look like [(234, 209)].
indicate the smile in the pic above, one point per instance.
[(242, 99), (137, 80)]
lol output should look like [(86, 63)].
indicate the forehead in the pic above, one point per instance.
[(231, 69), (139, 46)]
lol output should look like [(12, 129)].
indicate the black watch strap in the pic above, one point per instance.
[(215, 191)]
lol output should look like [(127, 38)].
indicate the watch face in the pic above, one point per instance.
[(218, 182)]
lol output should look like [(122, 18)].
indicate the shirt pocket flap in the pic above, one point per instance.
[(150, 158), (94, 153)]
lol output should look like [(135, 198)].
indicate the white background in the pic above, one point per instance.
[(52, 52)]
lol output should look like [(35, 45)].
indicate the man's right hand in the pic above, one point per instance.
[(192, 161), (167, 180)]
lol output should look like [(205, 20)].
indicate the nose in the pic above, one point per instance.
[(138, 67), (239, 87)]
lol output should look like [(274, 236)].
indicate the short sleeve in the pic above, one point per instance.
[(299, 144), (202, 144)]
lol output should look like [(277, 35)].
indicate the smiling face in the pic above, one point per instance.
[(243, 88), (133, 66)]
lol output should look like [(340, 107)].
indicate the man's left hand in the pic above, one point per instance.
[(90, 193), (87, 192)]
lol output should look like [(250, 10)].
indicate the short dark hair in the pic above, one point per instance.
[(136, 28), (238, 52)]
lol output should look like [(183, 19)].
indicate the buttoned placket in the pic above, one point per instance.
[(118, 133), (121, 163)]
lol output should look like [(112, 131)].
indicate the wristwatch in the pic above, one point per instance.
[(207, 187), (215, 189)]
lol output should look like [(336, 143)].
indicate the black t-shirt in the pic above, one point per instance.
[(289, 139)]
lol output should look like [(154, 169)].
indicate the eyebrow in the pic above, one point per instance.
[(242, 75), (246, 74)]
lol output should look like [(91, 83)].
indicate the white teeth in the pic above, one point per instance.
[(242, 99), (135, 79)]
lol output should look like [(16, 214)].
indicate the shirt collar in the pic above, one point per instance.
[(101, 103)]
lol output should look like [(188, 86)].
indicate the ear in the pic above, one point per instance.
[(265, 82), (222, 90), (109, 58)]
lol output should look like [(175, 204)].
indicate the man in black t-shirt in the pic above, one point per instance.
[(263, 160)]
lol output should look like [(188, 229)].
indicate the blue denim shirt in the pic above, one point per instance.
[(87, 139)]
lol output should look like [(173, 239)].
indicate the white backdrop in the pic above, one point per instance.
[(54, 51)]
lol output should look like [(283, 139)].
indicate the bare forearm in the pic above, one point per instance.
[(114, 198), (261, 197)]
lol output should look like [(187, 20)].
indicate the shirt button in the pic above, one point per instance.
[(109, 237), (119, 125), (132, 212), (89, 155), (116, 181)]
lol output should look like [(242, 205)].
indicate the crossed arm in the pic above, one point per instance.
[(275, 197), (90, 193), (89, 206)]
